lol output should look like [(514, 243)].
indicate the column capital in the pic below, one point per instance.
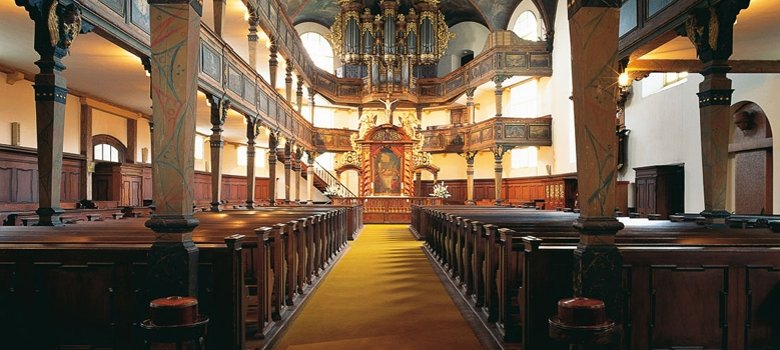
[(500, 79), (469, 156), (711, 29), (500, 150), (470, 93)]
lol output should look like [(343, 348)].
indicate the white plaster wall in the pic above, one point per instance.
[(555, 92), (435, 117), (144, 140), (468, 36), (109, 124), (665, 129), (17, 104)]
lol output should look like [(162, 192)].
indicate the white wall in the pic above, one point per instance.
[(468, 36), (665, 129), (109, 124), (557, 90)]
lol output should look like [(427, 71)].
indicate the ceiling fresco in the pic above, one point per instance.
[(494, 14)]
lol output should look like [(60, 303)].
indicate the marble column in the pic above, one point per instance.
[(87, 150), (498, 156), (288, 82), (272, 144), (597, 262), (217, 115), (310, 157), (252, 127), (470, 106), (715, 99), (469, 155), (299, 94), (288, 154), (273, 62), (499, 80), (175, 41)]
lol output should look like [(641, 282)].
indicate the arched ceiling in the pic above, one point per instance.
[(493, 14)]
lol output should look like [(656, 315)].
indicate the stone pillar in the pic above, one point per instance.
[(87, 150), (252, 39), (287, 169), (597, 262), (299, 94), (715, 99), (288, 82), (272, 144), (252, 127), (273, 62), (312, 94), (218, 114), (499, 79), (470, 176), (470, 106), (175, 38), (298, 157), (498, 156), (310, 156)]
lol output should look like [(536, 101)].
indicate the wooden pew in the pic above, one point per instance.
[(536, 271)]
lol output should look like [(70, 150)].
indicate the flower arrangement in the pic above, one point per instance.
[(440, 190), (332, 191)]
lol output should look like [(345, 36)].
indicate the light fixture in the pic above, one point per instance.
[(148, 74), (623, 80)]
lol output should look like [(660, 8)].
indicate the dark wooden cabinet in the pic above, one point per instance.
[(119, 182), (660, 189)]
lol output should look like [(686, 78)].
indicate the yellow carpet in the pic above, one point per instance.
[(383, 294)]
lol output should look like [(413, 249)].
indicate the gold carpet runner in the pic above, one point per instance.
[(383, 294)]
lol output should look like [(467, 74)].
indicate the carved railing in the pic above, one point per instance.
[(331, 180), (454, 139)]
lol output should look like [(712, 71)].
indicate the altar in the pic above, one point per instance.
[(387, 210)]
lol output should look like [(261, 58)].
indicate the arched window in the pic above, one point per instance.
[(319, 49), (526, 26), (108, 149)]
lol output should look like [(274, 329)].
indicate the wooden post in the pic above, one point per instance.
[(598, 263), (499, 79), (298, 157), (299, 94), (471, 109), (219, 15), (87, 150), (287, 169), (288, 82), (702, 26), (252, 124), (310, 156), (252, 39), (132, 140), (175, 41), (469, 155), (272, 144), (218, 114), (273, 62), (498, 156)]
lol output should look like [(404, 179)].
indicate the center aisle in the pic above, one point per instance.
[(383, 294)]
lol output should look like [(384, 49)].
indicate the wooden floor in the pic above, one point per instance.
[(383, 294)]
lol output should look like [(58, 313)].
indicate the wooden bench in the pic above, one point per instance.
[(526, 270), (94, 217)]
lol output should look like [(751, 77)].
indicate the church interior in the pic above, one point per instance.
[(372, 174)]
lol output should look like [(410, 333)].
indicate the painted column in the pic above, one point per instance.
[(715, 99), (498, 156), (272, 144), (218, 114), (597, 272), (287, 170), (470, 176), (87, 150), (299, 94), (175, 41), (288, 82), (499, 79), (470, 106), (252, 126), (310, 156), (273, 62)]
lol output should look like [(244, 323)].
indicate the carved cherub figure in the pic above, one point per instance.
[(64, 24)]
